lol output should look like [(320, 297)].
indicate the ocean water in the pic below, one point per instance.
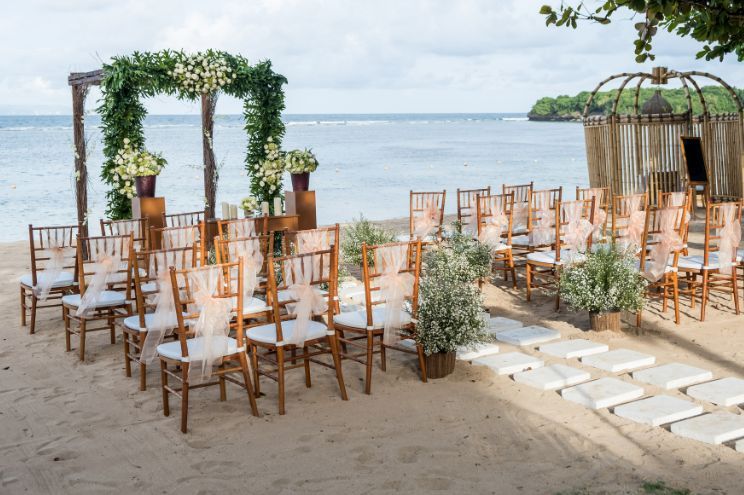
[(368, 163)]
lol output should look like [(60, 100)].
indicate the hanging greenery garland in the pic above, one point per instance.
[(128, 79)]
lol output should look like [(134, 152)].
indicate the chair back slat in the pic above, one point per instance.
[(243, 227), (421, 205), (89, 249), (183, 219), (495, 209), (138, 227), (41, 239), (467, 202)]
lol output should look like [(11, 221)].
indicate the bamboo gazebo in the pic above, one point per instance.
[(641, 151)]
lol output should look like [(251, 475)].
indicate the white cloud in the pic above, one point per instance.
[(339, 55)]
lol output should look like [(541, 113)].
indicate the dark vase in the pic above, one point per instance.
[(301, 182), (145, 186)]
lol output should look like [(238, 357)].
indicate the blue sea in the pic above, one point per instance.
[(368, 163)]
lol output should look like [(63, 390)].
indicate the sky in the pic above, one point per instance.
[(340, 56)]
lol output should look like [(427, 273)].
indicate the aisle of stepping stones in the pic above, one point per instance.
[(686, 418)]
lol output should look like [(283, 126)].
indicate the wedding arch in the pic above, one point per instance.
[(128, 79)]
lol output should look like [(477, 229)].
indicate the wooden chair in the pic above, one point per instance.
[(601, 208), (494, 216), (181, 237), (541, 210), (139, 228), (112, 301), (466, 205), (183, 219), (279, 338), (243, 227), (662, 280), (543, 267), (521, 205), (667, 199), (625, 210), (150, 269), (707, 267), (366, 328), (53, 255), (196, 357), (426, 214)]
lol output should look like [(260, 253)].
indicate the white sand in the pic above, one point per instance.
[(68, 427)]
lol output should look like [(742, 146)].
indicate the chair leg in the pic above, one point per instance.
[(528, 276), (383, 352), (333, 341), (143, 376), (23, 307), (82, 338), (66, 320), (164, 385), (184, 396), (280, 377), (368, 364), (675, 294), (127, 360), (112, 327), (735, 290), (704, 300), (256, 374), (638, 318), (248, 386), (342, 340), (308, 383), (422, 361), (33, 313), (223, 388), (513, 271)]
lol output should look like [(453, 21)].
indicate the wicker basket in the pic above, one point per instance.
[(605, 321), (440, 364)]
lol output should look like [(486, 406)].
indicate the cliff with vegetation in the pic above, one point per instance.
[(570, 108)]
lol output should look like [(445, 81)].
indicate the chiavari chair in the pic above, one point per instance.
[(709, 271), (208, 297), (243, 227), (679, 198), (181, 237), (151, 269), (541, 211), (53, 270), (601, 208), (521, 205), (105, 280), (138, 227), (426, 214), (494, 216), (628, 219), (543, 267), (183, 219), (363, 332), (466, 205), (297, 321)]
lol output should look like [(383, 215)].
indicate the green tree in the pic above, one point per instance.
[(718, 24)]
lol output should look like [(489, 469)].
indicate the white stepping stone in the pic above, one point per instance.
[(575, 348), (724, 392), (715, 428), (499, 324), (605, 392), (658, 410), (528, 335), (552, 377), (509, 363), (619, 360), (479, 350), (673, 375), (739, 446)]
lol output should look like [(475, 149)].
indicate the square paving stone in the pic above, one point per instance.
[(658, 410), (619, 360), (552, 377), (528, 335), (715, 428), (499, 324), (723, 392), (673, 375), (575, 348), (739, 446), (509, 363), (605, 392), (479, 350)]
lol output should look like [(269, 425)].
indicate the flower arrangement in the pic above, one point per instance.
[(269, 171), (475, 255), (131, 163), (450, 305), (359, 232), (202, 73), (249, 203), (606, 280), (300, 161)]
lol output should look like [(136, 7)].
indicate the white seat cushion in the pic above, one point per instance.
[(267, 333), (358, 319), (520, 240), (548, 257), (64, 279), (149, 287), (668, 269), (696, 262), (132, 322), (108, 298), (172, 350), (254, 305), (285, 294)]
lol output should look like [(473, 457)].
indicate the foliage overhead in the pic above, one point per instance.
[(129, 79), (718, 100), (718, 24)]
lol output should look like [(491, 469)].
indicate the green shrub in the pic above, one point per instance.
[(359, 232)]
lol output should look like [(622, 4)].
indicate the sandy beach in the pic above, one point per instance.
[(68, 427)]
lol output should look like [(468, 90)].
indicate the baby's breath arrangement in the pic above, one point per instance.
[(606, 280), (476, 255), (131, 163), (269, 170), (300, 161), (249, 204), (450, 305), (362, 231)]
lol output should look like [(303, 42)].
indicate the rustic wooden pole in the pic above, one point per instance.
[(208, 104), (79, 92)]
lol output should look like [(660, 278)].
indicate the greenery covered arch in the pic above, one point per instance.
[(128, 79)]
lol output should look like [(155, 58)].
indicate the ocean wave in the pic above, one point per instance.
[(515, 119)]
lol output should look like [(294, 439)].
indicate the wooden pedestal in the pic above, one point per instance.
[(302, 203), (153, 209), (290, 223)]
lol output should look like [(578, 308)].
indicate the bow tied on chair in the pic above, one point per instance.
[(395, 287), (164, 317), (666, 241), (428, 221), (493, 228), (250, 251), (107, 261), (730, 237), (543, 230), (577, 229), (53, 268), (309, 301)]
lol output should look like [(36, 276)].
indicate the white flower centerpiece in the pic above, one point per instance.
[(202, 73), (249, 205), (136, 170), (270, 170), (300, 163)]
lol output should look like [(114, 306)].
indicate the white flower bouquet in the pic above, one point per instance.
[(202, 73), (269, 171), (300, 162), (131, 163), (249, 204)]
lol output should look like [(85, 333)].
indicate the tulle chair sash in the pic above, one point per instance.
[(395, 286)]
